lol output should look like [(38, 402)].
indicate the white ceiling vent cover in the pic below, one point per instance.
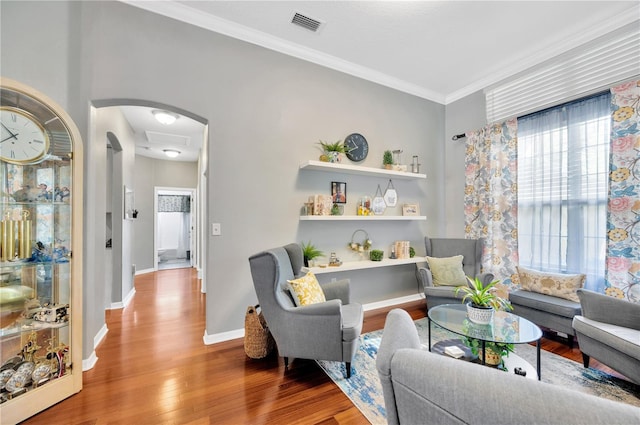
[(306, 22), (155, 137)]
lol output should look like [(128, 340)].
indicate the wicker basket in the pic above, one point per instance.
[(258, 342)]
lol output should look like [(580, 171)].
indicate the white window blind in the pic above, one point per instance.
[(585, 70), (563, 168)]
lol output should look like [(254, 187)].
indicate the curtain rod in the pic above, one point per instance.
[(459, 136)]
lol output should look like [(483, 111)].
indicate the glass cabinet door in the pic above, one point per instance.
[(40, 280)]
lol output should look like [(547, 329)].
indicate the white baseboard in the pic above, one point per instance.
[(88, 364), (239, 333), (222, 337), (144, 271), (124, 303), (392, 301)]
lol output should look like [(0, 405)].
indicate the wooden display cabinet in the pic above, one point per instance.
[(40, 253)]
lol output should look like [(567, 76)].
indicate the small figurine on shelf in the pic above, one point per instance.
[(334, 261), (61, 193)]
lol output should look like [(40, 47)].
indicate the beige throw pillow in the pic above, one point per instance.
[(447, 271), (555, 284), (306, 290)]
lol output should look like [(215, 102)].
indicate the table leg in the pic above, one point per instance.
[(484, 351), (429, 334), (538, 359)]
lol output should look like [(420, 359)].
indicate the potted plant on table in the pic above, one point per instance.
[(482, 300), (310, 252)]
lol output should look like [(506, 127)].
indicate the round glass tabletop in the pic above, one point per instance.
[(505, 327)]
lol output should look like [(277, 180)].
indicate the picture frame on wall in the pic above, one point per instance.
[(128, 204), (339, 192), (410, 209)]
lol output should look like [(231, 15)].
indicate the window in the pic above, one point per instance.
[(563, 163)]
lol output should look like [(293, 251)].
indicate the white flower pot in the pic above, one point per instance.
[(481, 316)]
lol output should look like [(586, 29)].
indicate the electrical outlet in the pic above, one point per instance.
[(216, 229)]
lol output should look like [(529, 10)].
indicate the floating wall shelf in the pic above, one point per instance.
[(364, 264), (363, 217), (357, 169)]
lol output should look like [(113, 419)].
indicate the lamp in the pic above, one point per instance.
[(171, 153), (164, 117)]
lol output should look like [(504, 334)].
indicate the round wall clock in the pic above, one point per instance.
[(32, 127), (356, 146)]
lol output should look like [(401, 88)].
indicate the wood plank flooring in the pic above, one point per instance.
[(154, 368)]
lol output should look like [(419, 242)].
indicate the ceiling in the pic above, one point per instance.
[(437, 50)]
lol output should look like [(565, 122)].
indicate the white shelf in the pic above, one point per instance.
[(364, 264), (362, 217), (357, 169)]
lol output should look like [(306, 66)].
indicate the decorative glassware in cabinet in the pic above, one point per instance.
[(35, 273)]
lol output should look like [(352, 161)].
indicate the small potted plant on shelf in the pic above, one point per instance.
[(481, 300), (387, 160), (376, 255), (310, 252), (332, 152)]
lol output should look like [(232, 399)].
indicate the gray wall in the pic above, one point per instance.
[(151, 173), (266, 112), (466, 114)]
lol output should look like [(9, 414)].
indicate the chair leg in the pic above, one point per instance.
[(570, 340), (348, 366), (585, 360), (286, 363)]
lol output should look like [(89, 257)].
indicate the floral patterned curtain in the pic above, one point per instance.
[(622, 274), (491, 197), (174, 203)]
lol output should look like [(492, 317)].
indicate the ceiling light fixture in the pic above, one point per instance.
[(165, 117), (171, 153)]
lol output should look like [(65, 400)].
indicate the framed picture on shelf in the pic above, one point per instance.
[(339, 192), (410, 209)]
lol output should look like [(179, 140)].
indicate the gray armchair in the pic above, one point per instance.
[(324, 331), (470, 249), (609, 330), (420, 387)]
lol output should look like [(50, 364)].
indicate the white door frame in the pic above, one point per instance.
[(193, 226)]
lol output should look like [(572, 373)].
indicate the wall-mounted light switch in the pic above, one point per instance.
[(215, 229)]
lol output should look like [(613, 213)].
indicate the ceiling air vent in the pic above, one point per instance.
[(306, 22)]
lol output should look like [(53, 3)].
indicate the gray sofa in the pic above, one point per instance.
[(426, 388), (546, 311), (609, 331)]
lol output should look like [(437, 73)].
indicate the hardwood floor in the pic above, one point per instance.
[(154, 368)]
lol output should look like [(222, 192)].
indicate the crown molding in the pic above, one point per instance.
[(228, 28), (195, 17), (549, 52)]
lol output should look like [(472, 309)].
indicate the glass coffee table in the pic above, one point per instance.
[(505, 327)]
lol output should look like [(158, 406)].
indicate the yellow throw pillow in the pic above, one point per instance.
[(447, 271), (555, 284), (306, 290)]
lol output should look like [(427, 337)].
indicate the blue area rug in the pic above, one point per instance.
[(364, 390)]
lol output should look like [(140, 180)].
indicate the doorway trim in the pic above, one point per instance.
[(193, 219)]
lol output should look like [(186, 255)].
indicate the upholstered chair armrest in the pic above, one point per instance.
[(327, 308), (338, 290), (424, 276), (399, 333), (606, 309)]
